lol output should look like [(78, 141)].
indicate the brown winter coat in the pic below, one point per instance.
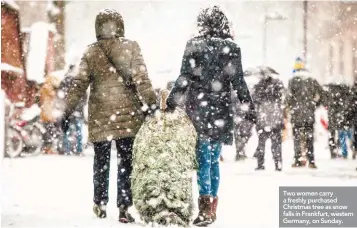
[(112, 113)]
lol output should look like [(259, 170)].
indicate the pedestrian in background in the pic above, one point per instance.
[(49, 115), (267, 98), (77, 117), (303, 96)]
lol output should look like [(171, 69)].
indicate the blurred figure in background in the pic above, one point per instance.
[(303, 96), (337, 99), (345, 131), (49, 114), (77, 117), (267, 98), (242, 125), (333, 101), (353, 118)]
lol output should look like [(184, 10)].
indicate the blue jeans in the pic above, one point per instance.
[(208, 177), (78, 129), (342, 136)]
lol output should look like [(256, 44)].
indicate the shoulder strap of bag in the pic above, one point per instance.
[(128, 81)]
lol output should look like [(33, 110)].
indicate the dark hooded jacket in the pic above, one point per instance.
[(113, 112), (303, 96), (267, 98), (211, 65)]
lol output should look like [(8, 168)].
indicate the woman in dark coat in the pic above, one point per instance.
[(211, 65)]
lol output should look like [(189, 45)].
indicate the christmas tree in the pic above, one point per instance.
[(163, 160)]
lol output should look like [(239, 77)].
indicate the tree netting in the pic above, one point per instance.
[(163, 160)]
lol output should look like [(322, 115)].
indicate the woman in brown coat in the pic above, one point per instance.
[(109, 66)]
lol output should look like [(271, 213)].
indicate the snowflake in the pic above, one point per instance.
[(113, 117), (144, 108), (192, 63), (219, 123), (226, 50), (245, 107), (204, 103), (61, 94), (200, 96), (217, 86), (112, 69), (110, 138), (267, 129)]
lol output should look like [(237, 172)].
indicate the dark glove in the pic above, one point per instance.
[(65, 124), (170, 107)]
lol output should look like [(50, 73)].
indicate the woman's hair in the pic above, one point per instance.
[(212, 22)]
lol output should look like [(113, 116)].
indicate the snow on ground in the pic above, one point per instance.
[(56, 191)]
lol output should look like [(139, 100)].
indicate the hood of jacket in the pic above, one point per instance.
[(109, 24)]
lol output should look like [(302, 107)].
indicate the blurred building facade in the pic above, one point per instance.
[(332, 40), (52, 13), (32, 41), (13, 79)]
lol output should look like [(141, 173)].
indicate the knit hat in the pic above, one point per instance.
[(299, 64)]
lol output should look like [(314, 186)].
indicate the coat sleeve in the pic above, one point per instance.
[(79, 87), (184, 80), (237, 80), (141, 78)]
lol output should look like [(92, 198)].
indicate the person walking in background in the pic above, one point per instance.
[(353, 118), (120, 95), (303, 96), (242, 126), (267, 97), (337, 100), (331, 100), (211, 65), (353, 115), (343, 136), (76, 119), (345, 132), (48, 115)]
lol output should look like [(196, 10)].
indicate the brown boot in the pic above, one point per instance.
[(124, 215), (214, 208), (204, 215)]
